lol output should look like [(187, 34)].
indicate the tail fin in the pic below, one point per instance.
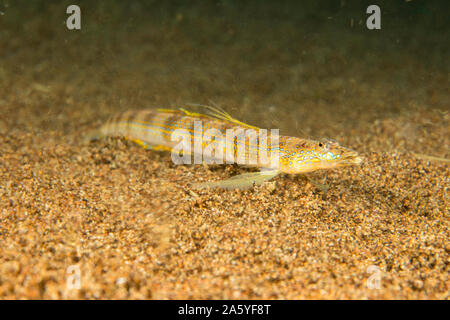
[(92, 136)]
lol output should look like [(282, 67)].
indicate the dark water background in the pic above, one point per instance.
[(310, 68)]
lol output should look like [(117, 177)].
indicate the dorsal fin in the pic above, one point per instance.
[(218, 113), (211, 112)]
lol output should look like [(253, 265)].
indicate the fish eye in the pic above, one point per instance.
[(320, 144)]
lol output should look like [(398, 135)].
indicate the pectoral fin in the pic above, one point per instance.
[(242, 181)]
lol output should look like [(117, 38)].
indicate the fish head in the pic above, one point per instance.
[(301, 156)]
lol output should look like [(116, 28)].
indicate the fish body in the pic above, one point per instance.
[(273, 154)]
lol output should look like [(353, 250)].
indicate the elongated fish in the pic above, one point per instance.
[(156, 128)]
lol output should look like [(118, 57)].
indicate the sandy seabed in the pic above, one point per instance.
[(127, 221)]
